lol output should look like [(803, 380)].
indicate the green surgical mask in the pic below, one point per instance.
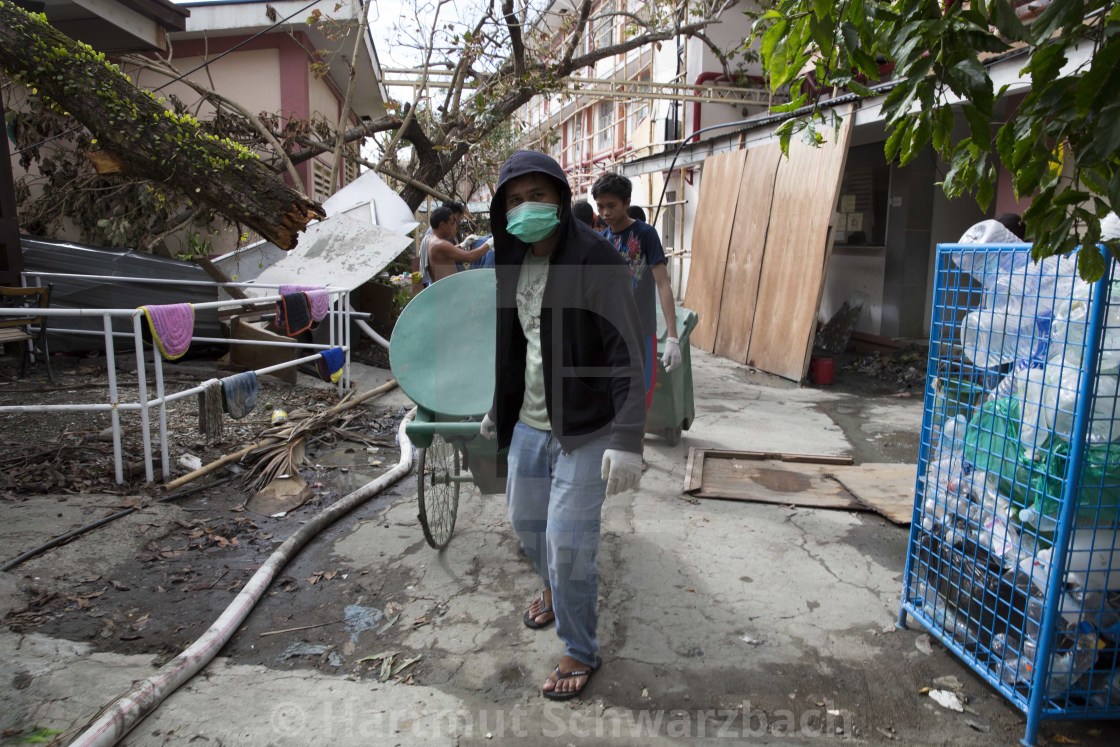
[(533, 221)]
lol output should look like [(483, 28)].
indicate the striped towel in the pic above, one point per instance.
[(293, 313), (330, 365), (239, 394), (320, 299), (172, 326)]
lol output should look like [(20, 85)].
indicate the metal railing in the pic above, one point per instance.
[(338, 336)]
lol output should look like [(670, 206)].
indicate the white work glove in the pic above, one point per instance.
[(489, 429), (622, 470), (672, 357), (468, 243)]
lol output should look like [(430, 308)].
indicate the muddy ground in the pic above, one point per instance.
[(151, 582), (173, 566)]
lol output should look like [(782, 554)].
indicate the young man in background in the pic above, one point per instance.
[(640, 247)]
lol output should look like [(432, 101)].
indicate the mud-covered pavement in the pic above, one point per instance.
[(718, 619)]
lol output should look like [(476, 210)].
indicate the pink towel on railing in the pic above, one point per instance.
[(320, 299), (172, 326)]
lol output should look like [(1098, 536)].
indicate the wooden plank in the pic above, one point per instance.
[(778, 456), (744, 255), (774, 482), (216, 273), (887, 489), (796, 256), (715, 211), (693, 469), (247, 310)]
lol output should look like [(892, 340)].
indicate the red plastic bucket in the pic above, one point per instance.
[(821, 371)]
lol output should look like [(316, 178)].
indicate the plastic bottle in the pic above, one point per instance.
[(1104, 689), (1041, 522), (952, 623), (1071, 667)]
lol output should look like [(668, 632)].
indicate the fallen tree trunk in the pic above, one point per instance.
[(148, 139)]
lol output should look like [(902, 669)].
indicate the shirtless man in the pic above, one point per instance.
[(443, 253)]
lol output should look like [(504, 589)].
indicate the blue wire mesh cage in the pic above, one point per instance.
[(1013, 560)]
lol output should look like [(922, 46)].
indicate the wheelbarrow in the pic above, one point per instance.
[(442, 353)]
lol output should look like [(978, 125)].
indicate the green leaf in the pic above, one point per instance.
[(821, 34), (942, 128), (1005, 143), (974, 82), (865, 63), (979, 125), (1103, 138), (1045, 63), (822, 9), (1071, 197), (1090, 263), (1102, 80), (858, 88), (922, 130), (894, 142), (774, 54), (1004, 18), (985, 193), (784, 132), (793, 104), (775, 34), (1057, 15)]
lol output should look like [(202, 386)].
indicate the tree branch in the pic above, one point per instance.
[(155, 143), (344, 115), (517, 44), (366, 129), (577, 33)]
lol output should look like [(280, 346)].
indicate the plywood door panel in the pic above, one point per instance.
[(745, 252), (796, 256), (715, 211)]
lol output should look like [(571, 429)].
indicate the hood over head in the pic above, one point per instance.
[(521, 163)]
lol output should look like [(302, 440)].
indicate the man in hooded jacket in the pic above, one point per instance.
[(569, 400)]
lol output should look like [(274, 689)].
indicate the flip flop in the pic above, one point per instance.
[(530, 620), (553, 695)]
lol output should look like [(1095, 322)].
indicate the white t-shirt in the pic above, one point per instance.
[(530, 294)]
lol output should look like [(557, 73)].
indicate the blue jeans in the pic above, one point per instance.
[(555, 504)]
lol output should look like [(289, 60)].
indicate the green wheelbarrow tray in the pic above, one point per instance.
[(443, 355), (673, 408)]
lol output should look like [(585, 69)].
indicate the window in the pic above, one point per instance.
[(604, 135), (604, 27), (351, 167), (321, 181), (863, 198)]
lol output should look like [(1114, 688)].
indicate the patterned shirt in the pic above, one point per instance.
[(640, 246)]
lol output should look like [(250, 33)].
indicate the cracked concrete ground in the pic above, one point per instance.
[(718, 620)]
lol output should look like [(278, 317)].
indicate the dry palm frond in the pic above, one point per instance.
[(285, 458)]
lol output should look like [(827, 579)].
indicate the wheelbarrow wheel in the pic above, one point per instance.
[(438, 491)]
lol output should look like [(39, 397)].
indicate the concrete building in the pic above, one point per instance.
[(296, 69)]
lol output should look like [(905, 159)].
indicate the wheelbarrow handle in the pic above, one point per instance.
[(466, 428)]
